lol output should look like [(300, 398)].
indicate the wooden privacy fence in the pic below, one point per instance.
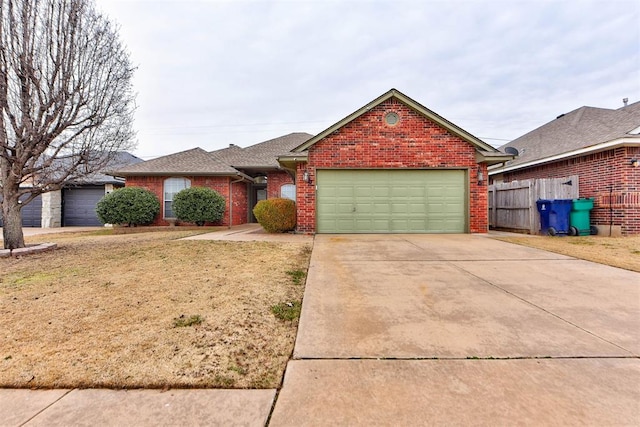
[(512, 205)]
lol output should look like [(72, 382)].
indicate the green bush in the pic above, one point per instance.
[(198, 205), (276, 215), (128, 205)]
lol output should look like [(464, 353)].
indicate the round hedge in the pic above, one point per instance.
[(128, 205), (198, 205), (276, 215)]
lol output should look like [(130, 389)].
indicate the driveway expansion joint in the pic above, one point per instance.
[(46, 407)]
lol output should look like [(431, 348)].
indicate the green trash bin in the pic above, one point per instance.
[(579, 217)]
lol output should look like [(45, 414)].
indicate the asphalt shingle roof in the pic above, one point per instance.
[(192, 162), (581, 128), (226, 161), (264, 153)]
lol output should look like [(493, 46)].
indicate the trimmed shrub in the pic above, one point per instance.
[(276, 215), (198, 205), (128, 205)]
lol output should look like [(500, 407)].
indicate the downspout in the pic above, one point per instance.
[(231, 198)]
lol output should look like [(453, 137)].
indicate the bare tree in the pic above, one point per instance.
[(66, 100)]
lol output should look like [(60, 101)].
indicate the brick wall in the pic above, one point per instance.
[(606, 176), (221, 184), (415, 142), (275, 180)]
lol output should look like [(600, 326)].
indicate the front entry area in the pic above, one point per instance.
[(258, 192), (391, 201)]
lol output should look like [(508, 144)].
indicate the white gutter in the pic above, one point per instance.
[(621, 142)]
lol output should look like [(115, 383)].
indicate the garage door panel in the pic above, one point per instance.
[(79, 206), (31, 212), (391, 201)]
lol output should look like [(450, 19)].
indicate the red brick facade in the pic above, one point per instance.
[(275, 181), (607, 176), (224, 185), (414, 142)]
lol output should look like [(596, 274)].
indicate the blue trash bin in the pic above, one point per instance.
[(554, 216)]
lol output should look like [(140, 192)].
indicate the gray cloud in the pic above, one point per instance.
[(218, 72)]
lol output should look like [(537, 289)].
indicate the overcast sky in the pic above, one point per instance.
[(211, 73)]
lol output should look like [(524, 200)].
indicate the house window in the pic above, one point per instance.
[(288, 191), (171, 187)]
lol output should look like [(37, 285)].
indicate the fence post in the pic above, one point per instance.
[(533, 207)]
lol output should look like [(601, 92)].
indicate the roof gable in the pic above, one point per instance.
[(399, 96)]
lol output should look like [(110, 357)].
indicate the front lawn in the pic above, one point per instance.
[(148, 310)]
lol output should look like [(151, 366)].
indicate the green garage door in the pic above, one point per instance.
[(391, 201)]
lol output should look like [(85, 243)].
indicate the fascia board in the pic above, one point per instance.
[(620, 142)]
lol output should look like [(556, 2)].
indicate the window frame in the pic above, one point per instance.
[(288, 185), (186, 183)]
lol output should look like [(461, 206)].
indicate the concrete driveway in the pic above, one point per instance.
[(461, 329)]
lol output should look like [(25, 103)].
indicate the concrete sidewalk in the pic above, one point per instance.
[(94, 407), (252, 233)]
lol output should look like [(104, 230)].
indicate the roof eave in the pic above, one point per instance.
[(492, 158), (174, 173), (394, 93), (290, 161), (620, 142)]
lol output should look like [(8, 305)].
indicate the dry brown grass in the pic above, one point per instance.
[(101, 312), (623, 252)]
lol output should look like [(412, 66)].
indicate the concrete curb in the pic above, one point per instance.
[(42, 247)]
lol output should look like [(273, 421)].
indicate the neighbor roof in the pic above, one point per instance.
[(583, 128), (121, 159)]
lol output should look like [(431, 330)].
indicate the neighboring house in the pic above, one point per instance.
[(393, 166), (601, 146), (75, 203)]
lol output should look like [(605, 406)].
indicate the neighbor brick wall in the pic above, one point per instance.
[(275, 180), (220, 184), (601, 175), (415, 142)]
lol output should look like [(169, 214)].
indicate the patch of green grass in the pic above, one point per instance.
[(238, 369), (578, 241), (102, 232), (267, 380), (287, 310), (32, 279), (184, 321), (224, 381), (297, 276)]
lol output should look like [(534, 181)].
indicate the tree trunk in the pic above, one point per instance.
[(12, 224)]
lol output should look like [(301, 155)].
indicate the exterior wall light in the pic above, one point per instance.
[(635, 163), (480, 176), (305, 177)]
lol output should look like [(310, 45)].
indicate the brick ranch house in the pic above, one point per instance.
[(601, 146), (392, 166)]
